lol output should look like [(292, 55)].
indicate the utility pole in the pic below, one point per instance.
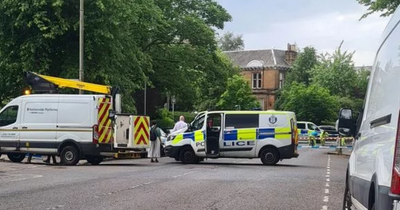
[(173, 106), (145, 96), (81, 26)]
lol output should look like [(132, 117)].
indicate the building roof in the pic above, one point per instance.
[(255, 59)]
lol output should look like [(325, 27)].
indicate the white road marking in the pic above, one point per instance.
[(326, 199), (35, 176), (327, 176)]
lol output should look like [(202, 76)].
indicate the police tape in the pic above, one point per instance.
[(327, 138), (326, 147)]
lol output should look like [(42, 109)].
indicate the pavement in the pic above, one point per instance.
[(315, 180)]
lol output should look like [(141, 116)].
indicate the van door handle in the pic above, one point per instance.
[(15, 128), (24, 127)]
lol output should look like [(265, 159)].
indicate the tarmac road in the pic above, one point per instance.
[(315, 180)]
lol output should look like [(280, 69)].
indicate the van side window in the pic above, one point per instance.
[(312, 126), (198, 123), (9, 116), (301, 126), (242, 120)]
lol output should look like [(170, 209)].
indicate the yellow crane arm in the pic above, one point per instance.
[(69, 83)]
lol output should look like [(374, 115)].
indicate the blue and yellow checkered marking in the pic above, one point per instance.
[(257, 134), (248, 134), (230, 135), (196, 136)]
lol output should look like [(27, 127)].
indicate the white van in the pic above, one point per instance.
[(268, 135), (305, 128), (74, 127), (373, 174)]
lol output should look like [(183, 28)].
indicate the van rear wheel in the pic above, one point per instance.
[(94, 160), (69, 155), (269, 156), (16, 157)]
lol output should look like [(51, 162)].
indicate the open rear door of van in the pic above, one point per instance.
[(104, 126)]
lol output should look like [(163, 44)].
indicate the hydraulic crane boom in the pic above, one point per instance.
[(49, 84)]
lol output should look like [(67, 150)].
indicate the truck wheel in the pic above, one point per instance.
[(94, 160), (16, 157), (69, 155), (269, 156), (187, 156)]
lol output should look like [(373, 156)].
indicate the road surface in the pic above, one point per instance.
[(315, 180)]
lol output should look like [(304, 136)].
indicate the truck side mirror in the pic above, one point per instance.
[(346, 122), (111, 114)]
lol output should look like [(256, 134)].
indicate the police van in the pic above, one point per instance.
[(268, 135), (373, 173)]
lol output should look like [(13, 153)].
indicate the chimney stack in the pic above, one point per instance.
[(291, 53)]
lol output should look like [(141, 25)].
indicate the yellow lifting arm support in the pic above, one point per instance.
[(68, 83)]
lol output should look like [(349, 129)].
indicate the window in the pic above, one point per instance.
[(256, 80), (9, 116), (281, 78), (312, 126), (301, 125), (198, 123), (242, 120)]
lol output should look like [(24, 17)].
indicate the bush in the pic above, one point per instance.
[(166, 120), (189, 116)]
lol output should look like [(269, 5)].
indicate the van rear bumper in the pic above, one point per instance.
[(288, 152), (90, 149)]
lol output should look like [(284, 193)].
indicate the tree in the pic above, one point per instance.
[(361, 84), (168, 43), (300, 73), (302, 66), (335, 72), (230, 42), (312, 103), (386, 7), (238, 94)]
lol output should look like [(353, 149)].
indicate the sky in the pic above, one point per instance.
[(322, 24)]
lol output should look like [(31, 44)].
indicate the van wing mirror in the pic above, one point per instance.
[(346, 123), (111, 114)]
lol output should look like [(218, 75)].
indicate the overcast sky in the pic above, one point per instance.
[(323, 24)]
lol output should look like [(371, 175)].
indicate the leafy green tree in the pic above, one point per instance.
[(168, 43), (386, 7), (230, 42), (361, 83), (300, 72), (335, 72), (311, 103), (238, 94)]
